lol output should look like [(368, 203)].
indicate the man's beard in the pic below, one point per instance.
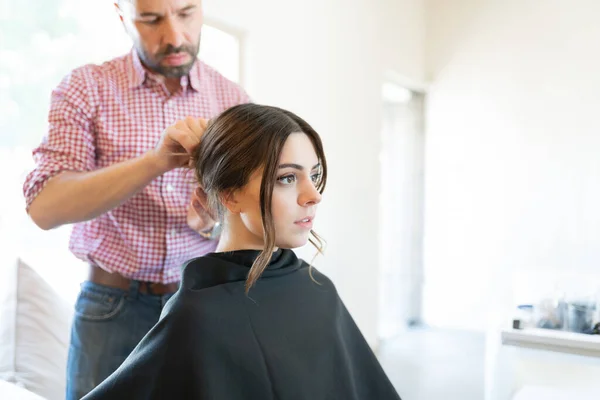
[(153, 63)]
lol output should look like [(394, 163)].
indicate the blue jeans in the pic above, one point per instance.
[(107, 326)]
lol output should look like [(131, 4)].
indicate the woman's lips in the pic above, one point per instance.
[(306, 222)]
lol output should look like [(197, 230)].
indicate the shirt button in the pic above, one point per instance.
[(170, 188), (169, 273), (173, 232)]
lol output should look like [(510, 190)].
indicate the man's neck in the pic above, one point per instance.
[(173, 84)]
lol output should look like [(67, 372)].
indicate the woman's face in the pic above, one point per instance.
[(295, 196)]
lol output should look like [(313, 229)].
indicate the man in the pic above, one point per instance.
[(111, 164)]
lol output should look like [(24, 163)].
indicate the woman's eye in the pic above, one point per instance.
[(287, 179), (315, 177)]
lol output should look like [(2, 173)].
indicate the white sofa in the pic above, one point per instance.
[(11, 391), (34, 334)]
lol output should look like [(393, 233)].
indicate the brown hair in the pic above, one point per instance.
[(239, 141)]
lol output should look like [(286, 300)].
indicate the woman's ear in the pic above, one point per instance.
[(230, 200), (200, 201), (200, 196)]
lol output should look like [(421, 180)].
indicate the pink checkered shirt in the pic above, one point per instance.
[(105, 114)]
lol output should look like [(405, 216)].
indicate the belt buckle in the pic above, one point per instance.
[(150, 286)]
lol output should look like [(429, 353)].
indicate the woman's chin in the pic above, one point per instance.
[(292, 243)]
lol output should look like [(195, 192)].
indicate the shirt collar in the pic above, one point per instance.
[(195, 75), (137, 73)]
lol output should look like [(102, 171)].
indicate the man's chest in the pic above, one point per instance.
[(129, 124)]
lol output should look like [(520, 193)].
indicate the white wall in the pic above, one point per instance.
[(512, 144), (325, 60)]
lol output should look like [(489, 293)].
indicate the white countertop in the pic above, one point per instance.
[(549, 393), (547, 339)]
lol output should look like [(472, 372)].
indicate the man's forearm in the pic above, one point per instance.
[(80, 196)]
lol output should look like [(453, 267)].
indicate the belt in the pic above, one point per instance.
[(115, 280)]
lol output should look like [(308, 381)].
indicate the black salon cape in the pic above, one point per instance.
[(289, 338)]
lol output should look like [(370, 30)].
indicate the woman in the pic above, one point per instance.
[(252, 321)]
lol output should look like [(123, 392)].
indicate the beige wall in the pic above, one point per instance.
[(512, 166), (326, 61)]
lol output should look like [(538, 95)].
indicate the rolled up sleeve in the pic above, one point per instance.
[(69, 144)]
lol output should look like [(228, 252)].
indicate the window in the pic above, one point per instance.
[(39, 45), (401, 208)]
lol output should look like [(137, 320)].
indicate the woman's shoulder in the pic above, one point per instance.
[(209, 271), (201, 311)]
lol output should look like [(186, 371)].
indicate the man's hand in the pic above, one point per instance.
[(198, 218), (178, 142)]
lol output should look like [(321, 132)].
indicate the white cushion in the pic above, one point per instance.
[(13, 392), (8, 316), (34, 332)]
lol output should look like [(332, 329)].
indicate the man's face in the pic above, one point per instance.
[(165, 33)]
